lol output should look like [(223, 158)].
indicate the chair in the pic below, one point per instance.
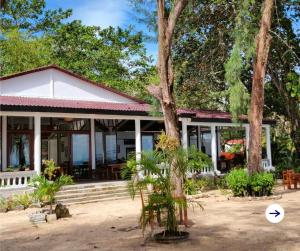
[(289, 178)]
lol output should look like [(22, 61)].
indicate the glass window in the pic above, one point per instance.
[(111, 147), (99, 148), (147, 142), (80, 149), (20, 123), (19, 155)]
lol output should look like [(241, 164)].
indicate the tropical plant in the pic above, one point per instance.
[(51, 171), (153, 170), (262, 184), (25, 200), (45, 189)]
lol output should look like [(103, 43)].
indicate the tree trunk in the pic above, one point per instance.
[(257, 96), (166, 24)]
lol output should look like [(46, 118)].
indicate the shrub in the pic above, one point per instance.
[(25, 200), (190, 187), (6, 204), (258, 184), (238, 180), (262, 184)]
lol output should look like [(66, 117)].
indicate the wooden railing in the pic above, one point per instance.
[(15, 179)]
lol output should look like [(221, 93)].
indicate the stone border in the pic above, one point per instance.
[(252, 198)]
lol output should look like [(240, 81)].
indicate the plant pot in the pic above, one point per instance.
[(166, 237)]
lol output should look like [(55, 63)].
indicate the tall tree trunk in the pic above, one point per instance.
[(166, 24), (263, 40)]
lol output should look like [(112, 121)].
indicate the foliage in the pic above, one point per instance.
[(20, 51), (190, 187), (51, 171), (262, 184), (25, 200), (6, 204), (242, 184), (236, 148), (238, 181), (153, 170), (45, 189), (31, 15)]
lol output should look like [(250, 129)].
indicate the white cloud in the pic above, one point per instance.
[(102, 13)]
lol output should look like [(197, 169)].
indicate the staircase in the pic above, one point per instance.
[(92, 192)]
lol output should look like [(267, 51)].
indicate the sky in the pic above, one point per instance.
[(104, 13)]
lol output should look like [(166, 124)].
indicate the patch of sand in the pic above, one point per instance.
[(113, 225)]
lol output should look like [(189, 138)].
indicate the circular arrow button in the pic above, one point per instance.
[(274, 213)]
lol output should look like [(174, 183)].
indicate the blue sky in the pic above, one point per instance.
[(104, 13)]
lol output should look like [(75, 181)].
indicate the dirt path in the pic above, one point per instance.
[(223, 225)]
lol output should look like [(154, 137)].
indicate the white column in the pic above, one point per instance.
[(214, 147), (4, 143), (138, 141), (199, 138), (37, 144), (268, 141), (93, 145), (184, 135), (247, 131)]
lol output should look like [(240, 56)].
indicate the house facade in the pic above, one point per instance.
[(90, 129)]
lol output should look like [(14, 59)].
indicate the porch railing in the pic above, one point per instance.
[(266, 165), (15, 179)]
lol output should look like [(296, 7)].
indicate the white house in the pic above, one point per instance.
[(89, 128)]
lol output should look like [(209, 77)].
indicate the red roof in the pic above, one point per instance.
[(93, 106), (75, 104)]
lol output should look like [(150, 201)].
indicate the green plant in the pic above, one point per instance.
[(25, 200), (204, 183), (10, 169), (51, 171), (45, 189), (238, 181), (262, 184), (6, 204), (190, 187)]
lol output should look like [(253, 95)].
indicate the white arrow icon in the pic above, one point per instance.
[(274, 213)]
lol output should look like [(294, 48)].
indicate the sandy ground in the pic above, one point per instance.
[(223, 225)]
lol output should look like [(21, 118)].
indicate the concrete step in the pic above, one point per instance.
[(92, 197), (97, 200), (91, 189), (93, 185), (83, 193), (92, 192)]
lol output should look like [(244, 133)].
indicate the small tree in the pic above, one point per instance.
[(153, 169), (45, 189)]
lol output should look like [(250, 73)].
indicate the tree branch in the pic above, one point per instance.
[(174, 15)]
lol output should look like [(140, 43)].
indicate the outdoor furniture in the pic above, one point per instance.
[(116, 170), (289, 178)]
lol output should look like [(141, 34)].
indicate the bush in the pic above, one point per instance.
[(262, 184), (237, 181), (190, 187), (6, 204), (241, 184), (25, 200)]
